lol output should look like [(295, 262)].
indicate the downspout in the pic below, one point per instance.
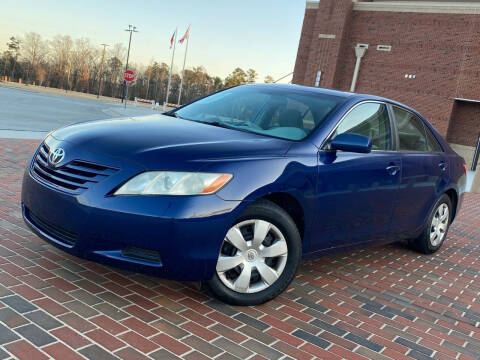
[(360, 50)]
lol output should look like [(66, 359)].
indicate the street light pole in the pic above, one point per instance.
[(101, 71), (131, 29)]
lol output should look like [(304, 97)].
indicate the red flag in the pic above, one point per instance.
[(187, 34), (173, 38)]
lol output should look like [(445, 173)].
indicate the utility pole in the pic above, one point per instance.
[(101, 71), (131, 29)]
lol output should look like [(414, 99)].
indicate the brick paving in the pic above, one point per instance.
[(380, 303)]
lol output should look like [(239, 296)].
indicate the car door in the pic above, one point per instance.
[(424, 172), (357, 192)]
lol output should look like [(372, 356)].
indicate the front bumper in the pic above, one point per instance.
[(186, 231)]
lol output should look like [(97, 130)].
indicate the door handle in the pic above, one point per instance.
[(393, 169), (442, 165)]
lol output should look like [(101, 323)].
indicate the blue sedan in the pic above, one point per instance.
[(236, 188)]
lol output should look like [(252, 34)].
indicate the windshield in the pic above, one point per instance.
[(281, 112)]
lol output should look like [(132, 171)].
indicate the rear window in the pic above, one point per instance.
[(411, 132), (432, 142)]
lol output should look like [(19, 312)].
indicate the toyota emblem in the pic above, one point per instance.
[(56, 156)]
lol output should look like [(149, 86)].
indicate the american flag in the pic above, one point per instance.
[(187, 34), (173, 38)]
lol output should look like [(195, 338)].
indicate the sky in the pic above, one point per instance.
[(225, 34)]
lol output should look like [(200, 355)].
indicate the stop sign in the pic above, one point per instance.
[(128, 75)]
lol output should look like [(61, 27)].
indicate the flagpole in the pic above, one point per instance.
[(171, 68), (183, 70)]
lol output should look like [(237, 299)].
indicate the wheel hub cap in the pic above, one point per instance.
[(252, 257), (439, 225)]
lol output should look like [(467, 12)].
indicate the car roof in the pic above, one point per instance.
[(301, 88), (352, 97), (364, 97)]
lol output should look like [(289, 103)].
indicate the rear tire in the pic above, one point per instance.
[(436, 229), (259, 256)]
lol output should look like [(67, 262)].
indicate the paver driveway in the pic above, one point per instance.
[(385, 302)]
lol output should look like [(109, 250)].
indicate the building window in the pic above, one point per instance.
[(384, 47)]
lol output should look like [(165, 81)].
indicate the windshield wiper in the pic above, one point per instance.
[(174, 114), (217, 124), (213, 123)]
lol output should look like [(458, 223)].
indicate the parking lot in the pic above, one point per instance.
[(33, 111), (381, 303)]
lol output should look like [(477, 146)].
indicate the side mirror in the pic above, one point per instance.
[(351, 143)]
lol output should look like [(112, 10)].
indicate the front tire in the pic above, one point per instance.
[(259, 256), (435, 232)]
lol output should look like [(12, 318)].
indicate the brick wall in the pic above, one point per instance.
[(468, 84), (442, 50), (330, 18), (304, 46), (465, 124)]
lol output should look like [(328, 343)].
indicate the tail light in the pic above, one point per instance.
[(464, 168)]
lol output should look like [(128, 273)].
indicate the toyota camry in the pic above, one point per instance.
[(234, 189)]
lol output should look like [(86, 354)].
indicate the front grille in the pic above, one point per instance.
[(142, 254), (55, 231), (75, 176)]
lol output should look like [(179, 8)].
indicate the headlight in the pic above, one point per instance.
[(174, 183), (48, 135)]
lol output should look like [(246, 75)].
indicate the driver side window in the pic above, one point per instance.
[(369, 119)]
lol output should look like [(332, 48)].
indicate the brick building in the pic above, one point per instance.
[(425, 54)]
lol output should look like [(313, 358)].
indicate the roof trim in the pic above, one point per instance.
[(420, 7), (467, 100), (312, 4)]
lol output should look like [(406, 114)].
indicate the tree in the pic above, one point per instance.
[(114, 68), (6, 60), (197, 83), (84, 56), (269, 79), (13, 48), (34, 50), (74, 64), (237, 77), (61, 47), (118, 51), (157, 81), (251, 75), (217, 83)]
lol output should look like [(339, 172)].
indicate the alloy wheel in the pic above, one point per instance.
[(252, 257), (439, 225)]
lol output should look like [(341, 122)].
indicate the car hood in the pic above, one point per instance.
[(167, 142)]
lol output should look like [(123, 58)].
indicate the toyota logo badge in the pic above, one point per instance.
[(56, 156)]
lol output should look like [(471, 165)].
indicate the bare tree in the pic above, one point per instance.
[(61, 48), (63, 62), (33, 51), (84, 62)]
